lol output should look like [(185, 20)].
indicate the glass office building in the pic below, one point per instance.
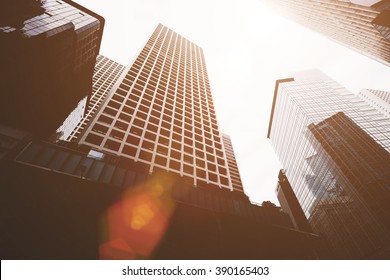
[(161, 115), (334, 148), (363, 26)]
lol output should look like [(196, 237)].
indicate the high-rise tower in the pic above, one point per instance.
[(161, 115), (334, 148), (361, 25)]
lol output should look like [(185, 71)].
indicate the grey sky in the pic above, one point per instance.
[(247, 47)]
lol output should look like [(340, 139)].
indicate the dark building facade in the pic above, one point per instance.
[(358, 203), (73, 205), (48, 55)]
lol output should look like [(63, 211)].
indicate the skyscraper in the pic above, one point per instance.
[(334, 148), (47, 59), (363, 26), (161, 115), (105, 75)]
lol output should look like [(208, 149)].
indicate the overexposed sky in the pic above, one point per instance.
[(247, 47)]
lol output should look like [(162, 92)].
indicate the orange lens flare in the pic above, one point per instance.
[(138, 221)]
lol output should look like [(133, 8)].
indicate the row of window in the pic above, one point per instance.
[(174, 62), (200, 114), (161, 125), (149, 139), (189, 94), (161, 92), (160, 57), (108, 75), (171, 97), (186, 163), (175, 83), (179, 111), (159, 82), (164, 136), (183, 71), (167, 47)]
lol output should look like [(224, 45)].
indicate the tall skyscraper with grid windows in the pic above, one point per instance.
[(363, 26), (334, 148), (162, 116)]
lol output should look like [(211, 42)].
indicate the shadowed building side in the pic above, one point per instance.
[(60, 203), (105, 75), (360, 196), (48, 55), (289, 203), (232, 163)]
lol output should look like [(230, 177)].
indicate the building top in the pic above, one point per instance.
[(48, 17), (278, 82)]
